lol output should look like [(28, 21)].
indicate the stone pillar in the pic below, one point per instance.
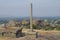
[(31, 29), (31, 33)]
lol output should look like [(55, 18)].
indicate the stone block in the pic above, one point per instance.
[(32, 34)]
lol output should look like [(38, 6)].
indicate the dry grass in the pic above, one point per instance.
[(5, 38), (42, 32)]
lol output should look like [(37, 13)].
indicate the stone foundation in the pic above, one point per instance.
[(32, 34)]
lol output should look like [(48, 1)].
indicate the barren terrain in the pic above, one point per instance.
[(42, 35)]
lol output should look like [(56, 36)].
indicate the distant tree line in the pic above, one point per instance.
[(43, 27)]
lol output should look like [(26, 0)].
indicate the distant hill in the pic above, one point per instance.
[(6, 19)]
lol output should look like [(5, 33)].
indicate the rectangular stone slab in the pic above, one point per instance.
[(32, 34)]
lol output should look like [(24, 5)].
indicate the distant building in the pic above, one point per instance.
[(37, 22), (57, 22), (11, 23), (45, 22), (25, 22)]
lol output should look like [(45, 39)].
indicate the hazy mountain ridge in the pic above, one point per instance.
[(6, 19)]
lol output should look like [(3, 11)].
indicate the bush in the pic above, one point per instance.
[(44, 27), (58, 28), (34, 26)]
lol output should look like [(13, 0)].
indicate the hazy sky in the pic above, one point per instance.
[(20, 8)]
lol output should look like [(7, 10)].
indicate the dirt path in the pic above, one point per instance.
[(53, 36)]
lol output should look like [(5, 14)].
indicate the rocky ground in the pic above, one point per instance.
[(53, 36), (41, 36)]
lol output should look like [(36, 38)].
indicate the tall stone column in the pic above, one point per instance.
[(31, 33), (31, 29)]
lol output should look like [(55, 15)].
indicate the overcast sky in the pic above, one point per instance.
[(21, 8)]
